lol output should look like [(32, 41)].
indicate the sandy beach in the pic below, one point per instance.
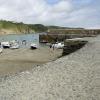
[(18, 60)]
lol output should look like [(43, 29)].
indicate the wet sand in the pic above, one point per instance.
[(18, 60)]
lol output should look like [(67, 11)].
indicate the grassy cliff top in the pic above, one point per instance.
[(14, 27), (10, 27)]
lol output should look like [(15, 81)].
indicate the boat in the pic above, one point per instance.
[(58, 45), (5, 44), (43, 41), (33, 46), (74, 39), (14, 46), (1, 50)]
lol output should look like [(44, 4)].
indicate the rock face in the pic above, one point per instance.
[(15, 31), (73, 77)]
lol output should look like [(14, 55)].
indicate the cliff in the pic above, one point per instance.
[(9, 27)]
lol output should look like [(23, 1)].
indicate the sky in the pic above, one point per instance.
[(69, 13)]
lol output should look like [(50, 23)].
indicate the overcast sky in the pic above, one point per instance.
[(70, 13)]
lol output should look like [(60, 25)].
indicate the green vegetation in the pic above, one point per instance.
[(38, 27), (13, 27), (10, 27), (59, 27)]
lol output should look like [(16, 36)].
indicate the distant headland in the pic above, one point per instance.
[(11, 27)]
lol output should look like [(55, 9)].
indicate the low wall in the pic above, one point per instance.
[(58, 37), (72, 45), (87, 32)]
